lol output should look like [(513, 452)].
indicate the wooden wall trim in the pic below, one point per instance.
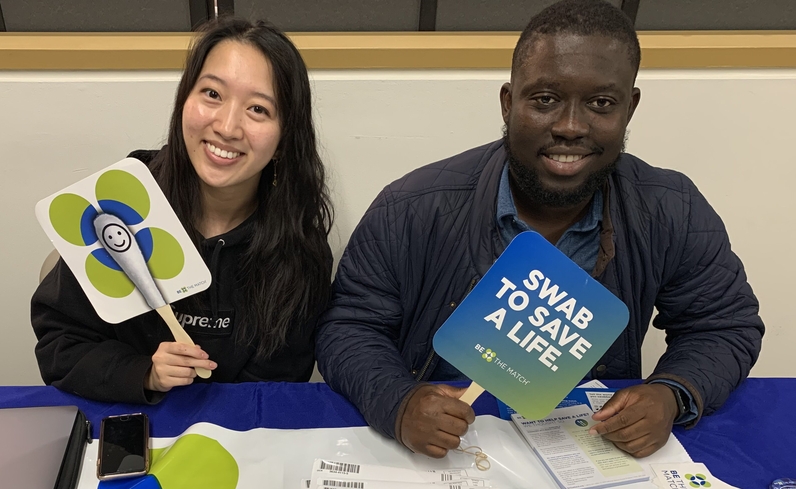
[(403, 50)]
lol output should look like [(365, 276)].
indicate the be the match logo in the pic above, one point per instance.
[(697, 480)]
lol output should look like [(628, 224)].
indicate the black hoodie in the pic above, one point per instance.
[(80, 353)]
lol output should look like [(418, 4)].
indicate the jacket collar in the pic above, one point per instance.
[(486, 245)]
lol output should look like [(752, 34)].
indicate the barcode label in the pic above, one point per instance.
[(307, 483), (340, 468), (347, 484), (446, 477)]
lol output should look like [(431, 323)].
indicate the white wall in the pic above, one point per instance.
[(730, 131)]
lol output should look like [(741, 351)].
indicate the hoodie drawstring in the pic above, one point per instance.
[(214, 274)]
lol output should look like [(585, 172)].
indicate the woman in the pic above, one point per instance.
[(242, 172)]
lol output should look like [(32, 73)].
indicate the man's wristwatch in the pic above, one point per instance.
[(681, 398)]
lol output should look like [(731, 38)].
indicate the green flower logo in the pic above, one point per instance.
[(697, 480), (488, 355), (120, 194)]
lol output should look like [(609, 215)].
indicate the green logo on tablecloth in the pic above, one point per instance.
[(193, 461), (488, 355)]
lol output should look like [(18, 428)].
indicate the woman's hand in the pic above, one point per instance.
[(173, 364)]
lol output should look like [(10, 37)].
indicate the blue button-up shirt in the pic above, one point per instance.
[(581, 242)]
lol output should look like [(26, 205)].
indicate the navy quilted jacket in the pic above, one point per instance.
[(428, 237)]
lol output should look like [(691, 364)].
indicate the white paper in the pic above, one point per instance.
[(598, 399), (332, 469), (343, 470), (331, 483), (577, 459)]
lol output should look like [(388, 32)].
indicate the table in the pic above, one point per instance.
[(748, 443)]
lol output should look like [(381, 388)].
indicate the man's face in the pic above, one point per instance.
[(566, 111)]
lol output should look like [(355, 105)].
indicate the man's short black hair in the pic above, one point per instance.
[(580, 17)]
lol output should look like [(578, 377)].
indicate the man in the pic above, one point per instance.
[(645, 233)]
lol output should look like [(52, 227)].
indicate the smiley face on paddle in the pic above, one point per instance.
[(116, 237)]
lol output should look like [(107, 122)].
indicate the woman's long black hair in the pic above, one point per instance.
[(286, 270)]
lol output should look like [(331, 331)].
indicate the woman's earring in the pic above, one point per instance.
[(275, 161)]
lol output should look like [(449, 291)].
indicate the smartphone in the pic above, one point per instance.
[(123, 446)]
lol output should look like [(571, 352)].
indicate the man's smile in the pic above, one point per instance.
[(566, 165)]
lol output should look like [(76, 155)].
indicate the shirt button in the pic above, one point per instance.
[(414, 372), (601, 369)]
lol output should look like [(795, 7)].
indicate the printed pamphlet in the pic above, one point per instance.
[(575, 458)]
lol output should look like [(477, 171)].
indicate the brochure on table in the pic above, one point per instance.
[(576, 458), (140, 222), (579, 460), (532, 327)]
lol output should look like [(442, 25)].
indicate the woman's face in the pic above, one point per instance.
[(230, 120)]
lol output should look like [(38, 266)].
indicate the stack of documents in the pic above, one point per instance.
[(329, 474)]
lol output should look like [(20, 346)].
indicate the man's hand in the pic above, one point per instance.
[(638, 419), (173, 364), (434, 420)]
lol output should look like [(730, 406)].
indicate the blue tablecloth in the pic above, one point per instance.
[(748, 443)]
